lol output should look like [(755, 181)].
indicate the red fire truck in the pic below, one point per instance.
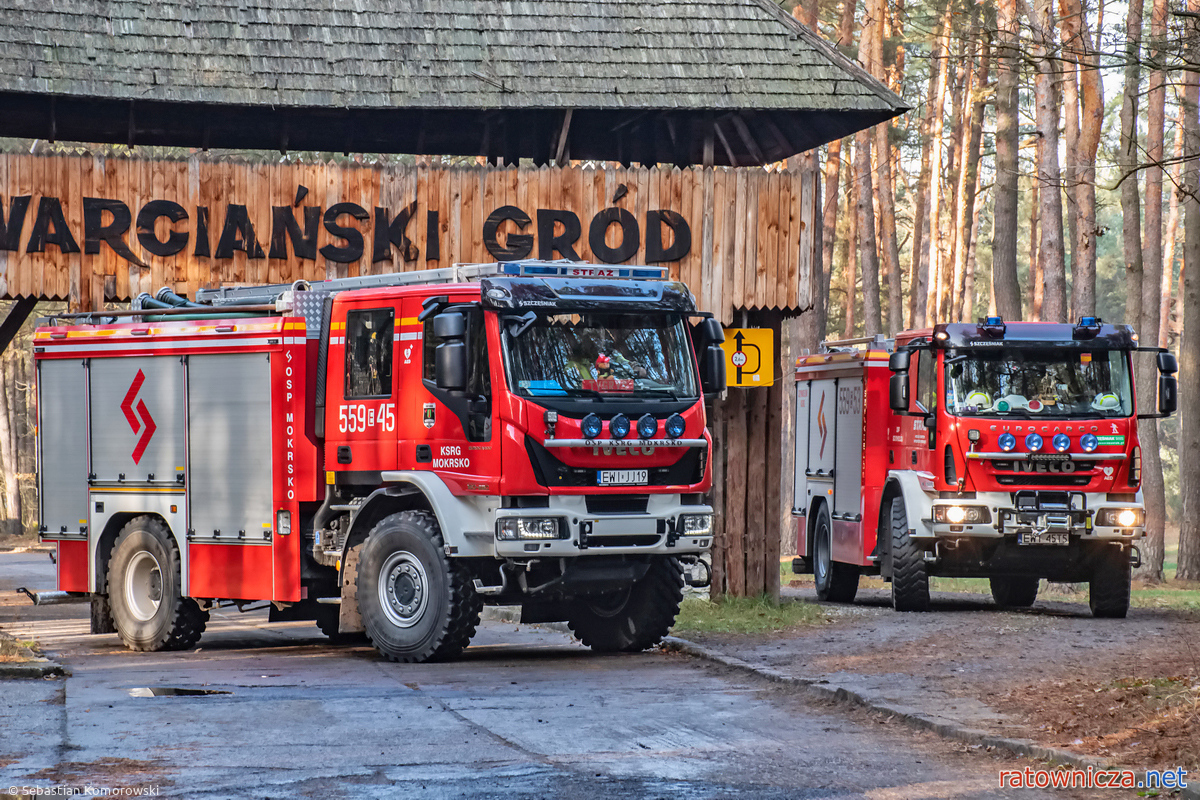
[(385, 454), (999, 450)]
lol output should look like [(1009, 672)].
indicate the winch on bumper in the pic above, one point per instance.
[(1041, 517), (566, 527)]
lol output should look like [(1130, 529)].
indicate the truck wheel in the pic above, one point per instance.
[(636, 618), (416, 604), (910, 579), (144, 590), (836, 582), (1108, 592), (1014, 592)]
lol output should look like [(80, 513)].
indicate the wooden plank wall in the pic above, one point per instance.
[(753, 242), (752, 479)]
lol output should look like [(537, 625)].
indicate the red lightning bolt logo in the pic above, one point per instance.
[(821, 424), (135, 423)]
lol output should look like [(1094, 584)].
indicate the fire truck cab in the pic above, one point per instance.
[(999, 450), (385, 454)]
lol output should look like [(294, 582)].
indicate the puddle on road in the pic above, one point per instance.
[(172, 691)]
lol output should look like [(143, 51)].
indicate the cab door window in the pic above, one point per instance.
[(927, 381), (369, 353), (474, 405)]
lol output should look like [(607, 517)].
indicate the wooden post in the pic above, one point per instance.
[(734, 532)]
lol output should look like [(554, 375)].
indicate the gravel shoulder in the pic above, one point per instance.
[(1126, 691)]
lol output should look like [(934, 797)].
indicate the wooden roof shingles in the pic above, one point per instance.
[(445, 57)]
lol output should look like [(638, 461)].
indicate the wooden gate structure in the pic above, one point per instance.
[(96, 231)]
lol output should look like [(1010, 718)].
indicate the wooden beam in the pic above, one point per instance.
[(758, 475), (748, 139), (563, 132), (734, 531), (733, 162)]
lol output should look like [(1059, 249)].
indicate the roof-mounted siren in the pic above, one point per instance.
[(993, 326), (1087, 328)]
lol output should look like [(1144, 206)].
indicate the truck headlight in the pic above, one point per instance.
[(511, 529), (695, 524), (1120, 518), (957, 515)]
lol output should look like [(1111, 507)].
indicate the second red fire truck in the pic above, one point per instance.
[(999, 450), (385, 454)]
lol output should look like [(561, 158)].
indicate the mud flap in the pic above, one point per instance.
[(102, 621), (349, 618)]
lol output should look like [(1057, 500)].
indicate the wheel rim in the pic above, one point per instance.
[(610, 605), (824, 553), (403, 589), (143, 586)]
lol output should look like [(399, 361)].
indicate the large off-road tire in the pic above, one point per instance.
[(910, 579), (1014, 591), (633, 619), (145, 590), (416, 603), (836, 582), (1108, 592)]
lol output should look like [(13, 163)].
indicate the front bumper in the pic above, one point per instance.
[(656, 531), (1006, 519)]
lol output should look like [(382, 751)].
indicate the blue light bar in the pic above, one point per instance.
[(580, 269)]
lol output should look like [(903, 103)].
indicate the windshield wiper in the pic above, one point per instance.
[(585, 393), (669, 392)]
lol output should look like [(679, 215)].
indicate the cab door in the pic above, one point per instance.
[(361, 391), (459, 437)]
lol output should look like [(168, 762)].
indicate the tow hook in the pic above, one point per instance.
[(1135, 557), (690, 574)]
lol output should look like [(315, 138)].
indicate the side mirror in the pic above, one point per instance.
[(451, 325), (898, 390), (898, 361), (1168, 390), (711, 331), (1167, 364), (712, 377), (450, 365)]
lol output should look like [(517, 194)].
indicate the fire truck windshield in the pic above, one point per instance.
[(599, 355), (1038, 382)]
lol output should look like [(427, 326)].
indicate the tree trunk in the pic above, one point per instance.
[(968, 293), (1168, 326), (1127, 160), (829, 218), (1005, 285), (854, 247), (1189, 343), (962, 114), (889, 247), (872, 322), (1153, 490), (935, 275), (919, 272), (966, 218), (1037, 281), (1083, 179), (1050, 249), (1070, 14)]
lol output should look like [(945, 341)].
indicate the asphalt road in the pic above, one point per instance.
[(525, 713)]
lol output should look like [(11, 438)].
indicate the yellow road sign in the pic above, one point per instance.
[(749, 356)]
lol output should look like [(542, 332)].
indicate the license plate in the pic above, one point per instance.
[(1043, 538), (622, 477)]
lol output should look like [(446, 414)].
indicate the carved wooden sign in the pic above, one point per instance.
[(95, 230)]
